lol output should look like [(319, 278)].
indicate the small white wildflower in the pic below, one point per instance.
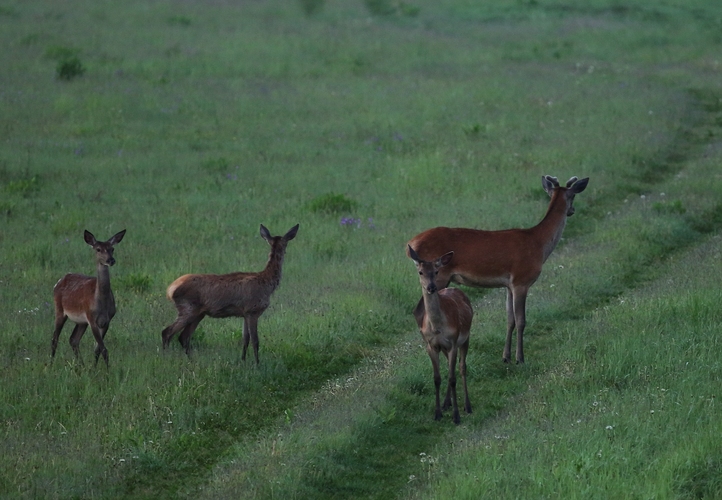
[(412, 478), (610, 428)]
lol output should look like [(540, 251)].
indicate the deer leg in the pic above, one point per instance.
[(60, 320), (246, 338), (185, 317), (252, 322), (510, 324), (520, 317), (185, 336), (451, 389), (434, 355), (75, 337), (447, 399), (463, 349), (100, 346)]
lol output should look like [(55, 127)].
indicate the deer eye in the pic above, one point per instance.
[(421, 273)]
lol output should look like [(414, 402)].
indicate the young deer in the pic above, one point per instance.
[(445, 324), (87, 300), (223, 295), (511, 258)]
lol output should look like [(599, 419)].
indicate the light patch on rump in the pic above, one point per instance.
[(173, 286)]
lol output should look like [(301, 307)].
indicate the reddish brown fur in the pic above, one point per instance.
[(87, 300), (511, 258), (444, 321), (246, 295)]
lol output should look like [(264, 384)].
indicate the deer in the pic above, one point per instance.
[(87, 300), (511, 258), (239, 294), (445, 325)]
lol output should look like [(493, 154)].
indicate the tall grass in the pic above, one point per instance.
[(194, 123)]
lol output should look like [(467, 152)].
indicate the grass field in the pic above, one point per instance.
[(191, 123)]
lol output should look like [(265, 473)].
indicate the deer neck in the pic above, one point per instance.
[(102, 288), (272, 272), (432, 305), (550, 229)]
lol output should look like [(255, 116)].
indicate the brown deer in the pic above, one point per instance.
[(511, 258), (87, 300), (224, 295), (445, 325)]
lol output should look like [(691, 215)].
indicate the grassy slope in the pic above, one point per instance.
[(195, 123)]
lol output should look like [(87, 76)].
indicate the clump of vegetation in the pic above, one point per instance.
[(179, 21), (312, 7), (388, 8), (69, 65), (23, 187), (674, 207), (216, 165), (332, 203), (70, 68), (137, 282)]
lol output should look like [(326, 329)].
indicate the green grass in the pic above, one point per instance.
[(365, 122)]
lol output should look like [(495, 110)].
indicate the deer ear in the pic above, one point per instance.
[(265, 234), (116, 238), (291, 233), (445, 259), (412, 254), (548, 183), (580, 185), (89, 238)]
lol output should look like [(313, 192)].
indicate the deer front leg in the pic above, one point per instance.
[(520, 318), (434, 356), (510, 324), (252, 323), (451, 389), (100, 346)]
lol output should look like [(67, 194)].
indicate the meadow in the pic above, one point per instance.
[(189, 124)]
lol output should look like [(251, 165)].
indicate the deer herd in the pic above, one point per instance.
[(510, 258)]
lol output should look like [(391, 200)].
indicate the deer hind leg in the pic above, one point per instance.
[(510, 325), (250, 333), (185, 317), (463, 349), (75, 337), (60, 320), (185, 336)]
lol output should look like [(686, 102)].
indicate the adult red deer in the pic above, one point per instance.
[(224, 295), (511, 258), (445, 324), (87, 300)]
